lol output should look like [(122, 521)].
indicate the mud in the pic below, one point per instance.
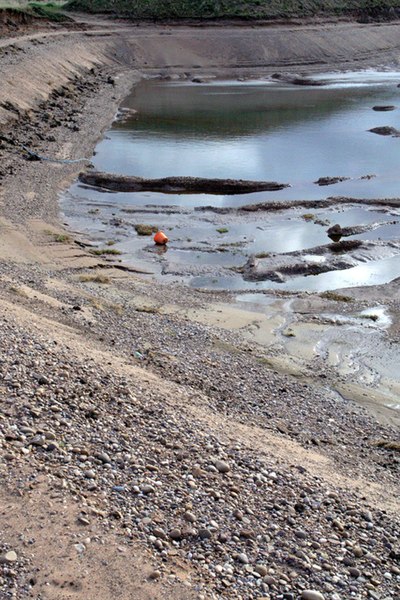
[(321, 259), (286, 205), (336, 231), (178, 185), (297, 79)]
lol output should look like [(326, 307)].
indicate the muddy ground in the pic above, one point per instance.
[(163, 433)]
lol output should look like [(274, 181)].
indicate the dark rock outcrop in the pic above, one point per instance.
[(177, 185), (386, 130), (330, 180)]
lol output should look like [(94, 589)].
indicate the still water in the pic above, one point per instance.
[(262, 130)]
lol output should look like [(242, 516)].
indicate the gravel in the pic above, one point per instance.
[(250, 526)]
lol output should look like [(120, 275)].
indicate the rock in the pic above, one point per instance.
[(354, 572), (9, 557), (261, 570), (312, 595), (358, 551), (155, 575), (384, 108), (204, 534), (189, 517), (175, 534), (385, 130), (222, 466), (330, 180), (243, 558), (335, 232), (103, 457)]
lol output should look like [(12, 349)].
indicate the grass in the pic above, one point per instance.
[(95, 278), (60, 238), (101, 251), (147, 309), (222, 230), (18, 291), (243, 9), (262, 255), (142, 229), (50, 11), (336, 297), (388, 444)]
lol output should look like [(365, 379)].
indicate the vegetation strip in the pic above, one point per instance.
[(240, 9)]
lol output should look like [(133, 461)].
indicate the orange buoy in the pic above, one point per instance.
[(160, 238)]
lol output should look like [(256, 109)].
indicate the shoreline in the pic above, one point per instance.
[(159, 425)]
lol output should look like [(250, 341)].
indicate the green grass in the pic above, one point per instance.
[(244, 9), (51, 11), (101, 251), (142, 229)]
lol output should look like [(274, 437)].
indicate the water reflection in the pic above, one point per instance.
[(252, 130)]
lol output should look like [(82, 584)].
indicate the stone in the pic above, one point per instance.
[(175, 534), (9, 557), (354, 572), (261, 570), (189, 517), (312, 595), (222, 466), (204, 534), (243, 558), (358, 551), (155, 575)]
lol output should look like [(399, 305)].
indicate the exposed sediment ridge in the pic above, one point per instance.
[(199, 185), (276, 205), (321, 259)]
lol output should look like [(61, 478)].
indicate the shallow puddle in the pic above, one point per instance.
[(261, 130)]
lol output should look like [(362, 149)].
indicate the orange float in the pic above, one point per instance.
[(160, 238)]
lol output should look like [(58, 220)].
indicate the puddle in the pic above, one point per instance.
[(251, 130)]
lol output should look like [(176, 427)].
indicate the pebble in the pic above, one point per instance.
[(243, 558), (175, 534), (9, 557), (312, 595), (155, 575), (354, 572), (261, 570), (358, 551), (222, 466)]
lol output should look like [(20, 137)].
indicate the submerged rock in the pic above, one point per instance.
[(384, 108), (296, 79), (386, 130), (335, 232), (330, 180)]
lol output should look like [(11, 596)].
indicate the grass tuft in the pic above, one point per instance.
[(101, 251), (95, 278), (142, 229)]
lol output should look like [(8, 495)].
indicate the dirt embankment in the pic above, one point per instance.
[(147, 432)]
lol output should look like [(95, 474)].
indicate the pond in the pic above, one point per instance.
[(259, 130)]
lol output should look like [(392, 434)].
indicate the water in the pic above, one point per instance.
[(250, 130)]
